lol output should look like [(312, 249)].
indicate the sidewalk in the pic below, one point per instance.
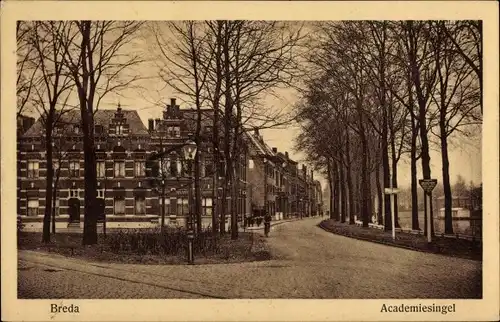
[(456, 247), (274, 223)]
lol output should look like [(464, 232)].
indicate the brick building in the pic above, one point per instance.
[(121, 142), (129, 194), (169, 134)]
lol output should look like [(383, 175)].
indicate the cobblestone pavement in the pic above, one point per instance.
[(309, 263)]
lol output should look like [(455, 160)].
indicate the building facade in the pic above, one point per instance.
[(131, 194)]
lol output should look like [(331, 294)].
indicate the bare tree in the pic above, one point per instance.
[(53, 86), (182, 69), (99, 62), (456, 97), (27, 65), (467, 40)]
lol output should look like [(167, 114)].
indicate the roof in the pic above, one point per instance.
[(259, 146), (101, 117)]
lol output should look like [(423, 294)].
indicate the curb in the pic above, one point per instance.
[(320, 225)]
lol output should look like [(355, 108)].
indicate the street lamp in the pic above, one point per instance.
[(189, 149), (301, 206), (162, 203), (284, 197)]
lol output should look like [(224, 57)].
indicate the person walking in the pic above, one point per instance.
[(267, 223)]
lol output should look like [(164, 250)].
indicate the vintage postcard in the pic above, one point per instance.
[(249, 161)]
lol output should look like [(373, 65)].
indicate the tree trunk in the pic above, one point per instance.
[(54, 197), (381, 202), (332, 188), (395, 182), (90, 219), (349, 180), (49, 179), (365, 193), (422, 106), (197, 194), (385, 173), (448, 219), (234, 205), (343, 197)]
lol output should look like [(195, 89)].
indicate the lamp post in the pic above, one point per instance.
[(189, 149), (162, 204), (301, 206)]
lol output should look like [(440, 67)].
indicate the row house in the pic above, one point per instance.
[(131, 195), (128, 195), (168, 136), (121, 145), (318, 198), (277, 185)]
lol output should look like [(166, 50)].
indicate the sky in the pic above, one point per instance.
[(152, 95), (464, 154)]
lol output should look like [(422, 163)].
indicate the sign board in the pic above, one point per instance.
[(428, 184), (391, 191)]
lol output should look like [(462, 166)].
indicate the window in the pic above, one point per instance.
[(73, 193), (119, 169), (101, 169), (74, 168), (119, 207), (100, 193), (56, 208), (76, 129), (140, 206), (174, 131), (33, 169), (119, 129), (207, 207), (33, 207), (98, 129), (209, 168), (140, 168), (182, 207), (202, 168), (168, 209), (173, 168)]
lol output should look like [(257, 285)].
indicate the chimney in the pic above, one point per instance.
[(256, 132), (275, 150), (286, 155), (119, 108), (151, 125), (172, 102)]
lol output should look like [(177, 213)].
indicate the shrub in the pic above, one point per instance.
[(20, 224), (172, 241)]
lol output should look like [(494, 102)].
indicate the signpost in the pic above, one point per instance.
[(428, 185), (392, 191)]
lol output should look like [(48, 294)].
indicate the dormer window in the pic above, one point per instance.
[(119, 129), (174, 131)]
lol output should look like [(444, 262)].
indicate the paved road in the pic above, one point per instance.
[(310, 263)]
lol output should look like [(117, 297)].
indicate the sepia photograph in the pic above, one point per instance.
[(251, 159)]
